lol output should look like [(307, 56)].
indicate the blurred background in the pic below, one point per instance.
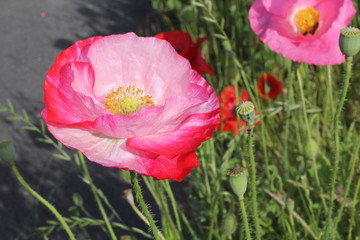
[(33, 33)]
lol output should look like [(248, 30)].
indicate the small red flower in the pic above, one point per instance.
[(228, 119), (269, 86), (184, 45)]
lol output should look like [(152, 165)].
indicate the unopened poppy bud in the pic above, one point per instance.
[(7, 151), (238, 181), (311, 149), (349, 41), (77, 199), (246, 111), (188, 14), (127, 194), (229, 224), (290, 204)]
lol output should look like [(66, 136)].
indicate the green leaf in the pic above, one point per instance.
[(11, 106), (60, 156)]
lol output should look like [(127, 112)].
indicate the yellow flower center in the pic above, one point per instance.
[(307, 21), (127, 100)]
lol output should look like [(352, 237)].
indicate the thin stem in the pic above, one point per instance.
[(349, 181), (97, 199), (336, 123), (353, 209), (295, 214), (329, 88), (42, 200), (245, 219), (174, 205), (140, 198), (287, 122), (303, 104), (253, 182)]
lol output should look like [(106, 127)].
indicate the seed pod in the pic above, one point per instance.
[(238, 181), (246, 111), (349, 41)]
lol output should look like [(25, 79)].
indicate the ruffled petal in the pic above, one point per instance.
[(277, 30), (178, 39), (123, 60)]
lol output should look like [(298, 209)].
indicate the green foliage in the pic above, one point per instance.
[(293, 145)]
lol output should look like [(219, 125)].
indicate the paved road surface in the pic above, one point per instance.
[(32, 33)]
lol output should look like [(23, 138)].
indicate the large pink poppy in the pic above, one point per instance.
[(132, 103), (302, 30)]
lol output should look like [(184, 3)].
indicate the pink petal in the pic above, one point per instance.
[(268, 20), (123, 60)]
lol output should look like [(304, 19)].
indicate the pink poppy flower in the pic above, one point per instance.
[(132, 103), (302, 30), (184, 45), (228, 119), (268, 86)]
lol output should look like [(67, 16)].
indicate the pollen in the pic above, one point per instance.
[(127, 100), (307, 21)]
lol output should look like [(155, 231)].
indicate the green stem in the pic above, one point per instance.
[(245, 218), (353, 210), (253, 182), (97, 199), (167, 224), (140, 198), (287, 122), (349, 181), (329, 88), (348, 65), (174, 205), (42, 200), (303, 104)]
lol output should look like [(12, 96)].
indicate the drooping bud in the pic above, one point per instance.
[(290, 204), (127, 194), (7, 151), (238, 181), (246, 111), (349, 41), (77, 199), (311, 149), (229, 224)]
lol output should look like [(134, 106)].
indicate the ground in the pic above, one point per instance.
[(33, 33)]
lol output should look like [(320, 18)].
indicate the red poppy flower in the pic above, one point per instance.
[(269, 86), (228, 119), (184, 45)]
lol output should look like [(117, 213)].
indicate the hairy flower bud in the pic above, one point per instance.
[(229, 224)]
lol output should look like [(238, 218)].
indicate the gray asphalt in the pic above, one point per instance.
[(32, 34)]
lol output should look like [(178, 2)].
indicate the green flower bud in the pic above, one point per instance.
[(229, 224), (246, 111), (238, 181), (290, 204), (7, 151), (77, 199), (349, 41), (188, 14), (311, 149)]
